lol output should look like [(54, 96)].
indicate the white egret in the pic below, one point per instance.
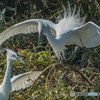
[(69, 30), (5, 87), (16, 82)]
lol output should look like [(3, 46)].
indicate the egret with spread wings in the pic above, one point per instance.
[(69, 30)]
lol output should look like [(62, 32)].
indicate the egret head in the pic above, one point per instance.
[(12, 55), (42, 28)]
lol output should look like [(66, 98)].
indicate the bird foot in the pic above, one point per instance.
[(61, 64), (66, 75), (78, 68), (67, 71)]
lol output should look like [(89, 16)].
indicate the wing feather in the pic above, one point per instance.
[(24, 80), (28, 26), (89, 34)]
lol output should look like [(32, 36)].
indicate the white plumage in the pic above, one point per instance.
[(5, 87), (24, 80), (68, 31), (17, 82)]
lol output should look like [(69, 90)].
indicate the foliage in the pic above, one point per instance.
[(53, 85)]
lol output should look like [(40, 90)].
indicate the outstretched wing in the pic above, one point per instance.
[(24, 80), (89, 34), (27, 26)]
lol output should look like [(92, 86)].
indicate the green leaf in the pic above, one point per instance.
[(9, 8)]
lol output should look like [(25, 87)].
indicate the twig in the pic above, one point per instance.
[(72, 68), (49, 74), (41, 74)]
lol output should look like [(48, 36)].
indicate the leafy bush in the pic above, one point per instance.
[(53, 85)]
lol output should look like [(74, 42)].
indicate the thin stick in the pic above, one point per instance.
[(84, 77), (41, 74)]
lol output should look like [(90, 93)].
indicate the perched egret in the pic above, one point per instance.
[(70, 29), (16, 82)]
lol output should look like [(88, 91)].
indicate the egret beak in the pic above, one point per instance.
[(40, 35), (19, 59)]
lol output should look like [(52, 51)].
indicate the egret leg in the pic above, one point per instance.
[(66, 73), (88, 52)]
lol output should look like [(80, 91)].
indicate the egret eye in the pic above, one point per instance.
[(13, 55)]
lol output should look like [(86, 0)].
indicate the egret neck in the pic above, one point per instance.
[(55, 43), (6, 81), (50, 37)]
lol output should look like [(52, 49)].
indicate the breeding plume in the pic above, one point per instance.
[(69, 29), (17, 82)]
